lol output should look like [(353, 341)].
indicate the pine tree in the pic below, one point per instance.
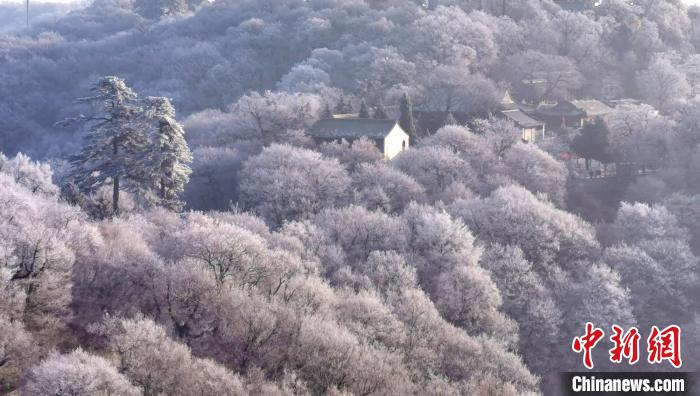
[(406, 120), (327, 113), (344, 106), (364, 110), (380, 111), (593, 142), (341, 106), (114, 141), (165, 167)]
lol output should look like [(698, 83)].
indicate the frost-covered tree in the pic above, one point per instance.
[(36, 255), (18, 348), (563, 255), (450, 120), (452, 37), (638, 134), (443, 254), (35, 176), (166, 164), (359, 232), (229, 252), (541, 76), (381, 186), (500, 134), (77, 373), (547, 236), (469, 299), (537, 171), (442, 250), (449, 88), (577, 36), (435, 168), (478, 150), (528, 300), (286, 183), (639, 223), (160, 365), (114, 142), (653, 248), (686, 209), (352, 155), (270, 115), (662, 85), (667, 265)]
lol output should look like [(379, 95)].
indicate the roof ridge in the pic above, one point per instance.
[(353, 127), (359, 119)]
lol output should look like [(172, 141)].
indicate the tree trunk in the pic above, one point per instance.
[(115, 186), (115, 196)]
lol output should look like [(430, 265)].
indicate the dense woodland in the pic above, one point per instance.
[(168, 227)]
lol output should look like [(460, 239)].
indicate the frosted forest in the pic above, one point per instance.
[(201, 198)]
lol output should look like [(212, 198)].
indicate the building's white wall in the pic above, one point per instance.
[(394, 142), (532, 134)]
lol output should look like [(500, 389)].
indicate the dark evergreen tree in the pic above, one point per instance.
[(380, 111), (364, 110), (343, 107), (406, 117), (327, 113), (592, 142)]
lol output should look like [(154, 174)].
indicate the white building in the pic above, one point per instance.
[(389, 137)]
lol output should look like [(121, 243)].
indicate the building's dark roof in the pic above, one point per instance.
[(521, 119), (355, 128), (430, 121), (592, 108), (561, 109), (575, 5)]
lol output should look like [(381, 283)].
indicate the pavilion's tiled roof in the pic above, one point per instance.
[(561, 109), (520, 118), (592, 108)]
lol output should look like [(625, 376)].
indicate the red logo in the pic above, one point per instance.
[(626, 346), (665, 345), (587, 342), (661, 345)]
